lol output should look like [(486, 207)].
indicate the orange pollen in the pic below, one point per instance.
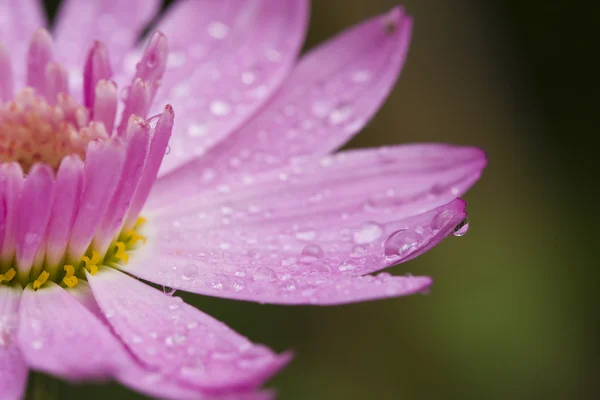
[(33, 131)]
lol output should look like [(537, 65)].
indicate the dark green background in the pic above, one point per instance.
[(512, 313)]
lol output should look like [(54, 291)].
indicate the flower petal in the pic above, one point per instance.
[(11, 183), (68, 186), (330, 95), (13, 369), (135, 158), (33, 215), (19, 19), (230, 56), (307, 234), (58, 335), (178, 340), (413, 177), (64, 333), (103, 167), (117, 23)]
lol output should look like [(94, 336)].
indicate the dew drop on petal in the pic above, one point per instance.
[(340, 114), (218, 30), (401, 243), (264, 274), (219, 108), (312, 250), (189, 272), (306, 235), (442, 219), (461, 228), (368, 233)]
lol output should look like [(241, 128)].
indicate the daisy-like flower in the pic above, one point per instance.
[(249, 202)]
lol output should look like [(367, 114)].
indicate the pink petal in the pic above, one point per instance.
[(33, 215), (103, 166), (11, 182), (61, 333), (330, 95), (306, 234), (19, 19), (105, 104), (158, 145), (135, 159), (157, 385), (6, 75), (67, 189), (117, 23), (39, 54), (413, 177), (59, 336), (12, 366), (56, 82), (226, 59), (178, 340), (97, 67)]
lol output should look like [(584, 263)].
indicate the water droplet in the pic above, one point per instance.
[(218, 30), (368, 233), (197, 130), (306, 235), (176, 59), (189, 272), (248, 77), (361, 76), (320, 267), (264, 274), (219, 108), (358, 251), (37, 345), (442, 219), (461, 228), (346, 267), (401, 243), (31, 238), (312, 250), (340, 114)]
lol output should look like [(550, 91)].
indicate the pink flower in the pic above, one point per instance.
[(249, 203)]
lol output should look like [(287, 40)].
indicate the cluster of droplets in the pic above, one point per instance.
[(217, 103), (296, 260)]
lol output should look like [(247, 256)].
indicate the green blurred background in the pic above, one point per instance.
[(511, 314)]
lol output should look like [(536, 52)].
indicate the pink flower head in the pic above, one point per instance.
[(249, 203)]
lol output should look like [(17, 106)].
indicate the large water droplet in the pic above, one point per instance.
[(367, 233), (264, 274), (401, 243), (442, 219), (312, 250), (461, 228), (189, 272)]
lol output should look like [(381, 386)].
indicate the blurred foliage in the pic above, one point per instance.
[(504, 318)]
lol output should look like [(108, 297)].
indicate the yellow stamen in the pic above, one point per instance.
[(121, 254), (8, 275), (91, 264), (134, 237), (140, 221), (70, 279), (40, 280)]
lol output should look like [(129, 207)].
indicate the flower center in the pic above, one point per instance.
[(33, 131), (69, 275)]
